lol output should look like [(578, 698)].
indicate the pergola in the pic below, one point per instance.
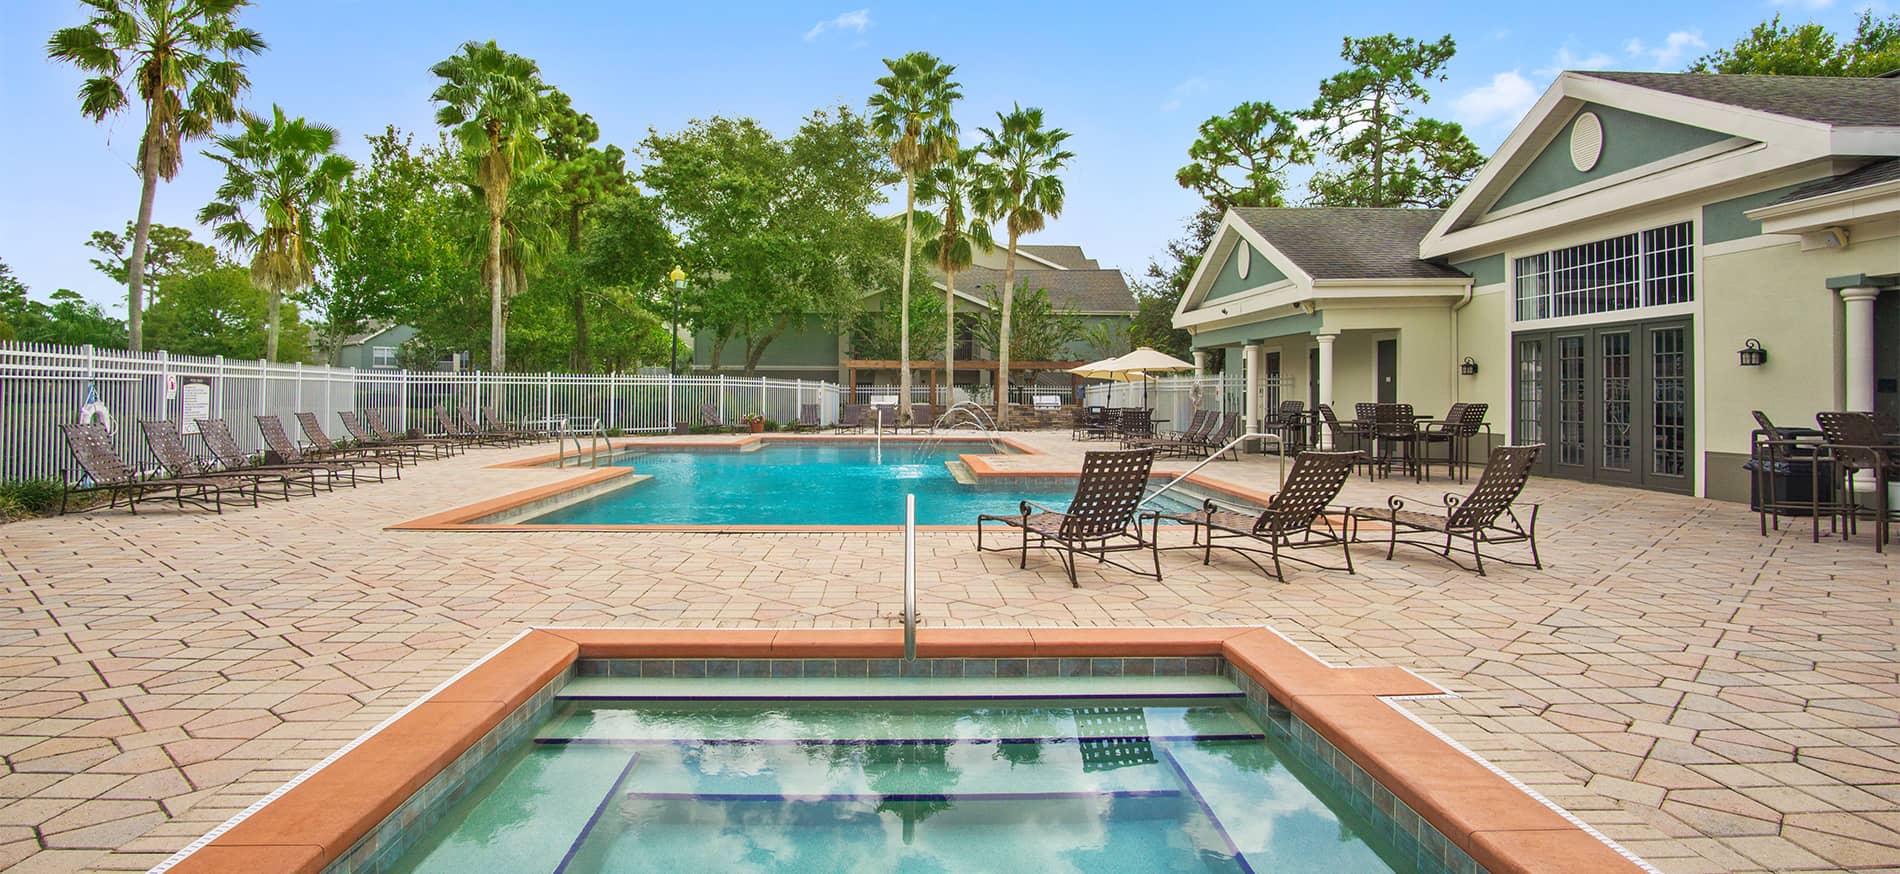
[(931, 366)]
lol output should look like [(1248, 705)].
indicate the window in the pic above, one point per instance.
[(383, 356), (1644, 269)]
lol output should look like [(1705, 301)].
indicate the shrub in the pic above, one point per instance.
[(35, 497)]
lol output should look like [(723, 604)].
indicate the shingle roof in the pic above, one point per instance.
[(1832, 100), (1088, 291), (1350, 242), (1067, 257), (1872, 174)]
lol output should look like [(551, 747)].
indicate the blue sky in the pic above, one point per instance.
[(1130, 81)]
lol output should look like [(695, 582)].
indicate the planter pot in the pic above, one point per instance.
[(756, 427), (682, 428)]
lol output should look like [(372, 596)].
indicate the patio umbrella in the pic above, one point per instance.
[(1135, 365)]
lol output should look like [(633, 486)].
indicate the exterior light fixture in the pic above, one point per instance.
[(1752, 354), (679, 285), (1469, 367)]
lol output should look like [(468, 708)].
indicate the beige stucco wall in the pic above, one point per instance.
[(1426, 370), (1484, 334)]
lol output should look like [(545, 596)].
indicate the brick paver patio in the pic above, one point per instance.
[(1713, 699)]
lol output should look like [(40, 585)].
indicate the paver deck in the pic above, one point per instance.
[(1713, 699)]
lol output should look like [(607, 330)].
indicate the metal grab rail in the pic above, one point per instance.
[(1252, 435), (595, 434), (910, 577)]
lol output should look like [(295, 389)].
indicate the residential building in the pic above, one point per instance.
[(1596, 281), (376, 347)]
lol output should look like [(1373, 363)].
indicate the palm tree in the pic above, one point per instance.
[(1020, 187), (950, 239), (911, 111), (181, 58), (491, 104), (288, 170)]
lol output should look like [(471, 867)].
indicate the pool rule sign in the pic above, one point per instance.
[(194, 401)]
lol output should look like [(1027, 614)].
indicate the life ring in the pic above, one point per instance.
[(95, 412), (1196, 397)]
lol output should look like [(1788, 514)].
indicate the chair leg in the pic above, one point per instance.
[(1476, 553)]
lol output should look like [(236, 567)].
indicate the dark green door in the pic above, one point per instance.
[(1611, 403), (1388, 371)]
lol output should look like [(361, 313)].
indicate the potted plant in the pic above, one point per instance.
[(755, 423), (682, 428)]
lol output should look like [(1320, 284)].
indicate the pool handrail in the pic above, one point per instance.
[(910, 577), (1251, 435)]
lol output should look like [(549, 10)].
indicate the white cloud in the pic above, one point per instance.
[(857, 21), (1565, 59), (1670, 54), (1505, 99), (1809, 4), (1188, 87)]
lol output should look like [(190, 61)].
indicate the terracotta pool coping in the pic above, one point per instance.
[(463, 518), (316, 818)]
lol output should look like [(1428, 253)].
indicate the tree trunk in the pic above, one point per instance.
[(718, 350), (1002, 336), (903, 300), (271, 328), (497, 341), (141, 233), (1378, 151), (949, 338)]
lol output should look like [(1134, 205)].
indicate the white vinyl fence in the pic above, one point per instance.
[(44, 386), (1176, 398)]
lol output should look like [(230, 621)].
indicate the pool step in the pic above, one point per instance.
[(896, 688)]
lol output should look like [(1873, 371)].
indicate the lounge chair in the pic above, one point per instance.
[(851, 418), (278, 441), (886, 417), (492, 424), (1346, 435), (322, 447), (168, 446), (445, 445), (709, 418), (232, 459), (92, 449), (465, 423), (809, 419), (1295, 518), (1217, 438), (410, 449), (467, 435), (1103, 518), (1170, 442), (1486, 516), (922, 416)]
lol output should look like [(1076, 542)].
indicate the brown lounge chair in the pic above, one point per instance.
[(92, 449), (1484, 517), (373, 420), (492, 424), (1104, 517), (410, 449), (1175, 442), (468, 435), (1225, 428), (709, 418), (809, 418), (232, 459), (168, 446), (465, 424), (1296, 517), (851, 418), (325, 448), (278, 441)]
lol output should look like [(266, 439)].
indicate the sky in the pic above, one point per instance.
[(1129, 81)]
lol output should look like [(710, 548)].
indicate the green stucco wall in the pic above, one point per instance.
[(363, 357), (1723, 221), (808, 344), (1629, 140), (1260, 272), (1483, 271)]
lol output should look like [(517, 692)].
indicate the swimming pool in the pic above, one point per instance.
[(808, 483), (894, 774)]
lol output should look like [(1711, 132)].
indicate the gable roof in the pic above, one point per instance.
[(1833, 100), (1065, 257), (1872, 174), (1086, 291), (1350, 242)]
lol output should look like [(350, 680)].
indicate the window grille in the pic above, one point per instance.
[(1655, 267)]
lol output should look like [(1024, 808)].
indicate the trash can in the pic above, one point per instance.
[(1793, 482)]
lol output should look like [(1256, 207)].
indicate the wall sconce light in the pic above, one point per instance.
[(1752, 354), (1469, 367)]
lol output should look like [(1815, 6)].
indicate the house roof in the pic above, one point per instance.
[(1087, 291), (1066, 257), (1850, 102), (1872, 174), (374, 330), (1350, 242)]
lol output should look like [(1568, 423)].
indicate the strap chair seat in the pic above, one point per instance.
[(162, 437), (233, 459), (109, 473), (1105, 516), (1295, 518), (374, 421), (323, 447), (278, 440), (1485, 517)]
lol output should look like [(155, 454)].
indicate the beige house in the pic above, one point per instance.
[(1596, 281)]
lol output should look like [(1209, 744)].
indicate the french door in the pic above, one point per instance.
[(1611, 403)]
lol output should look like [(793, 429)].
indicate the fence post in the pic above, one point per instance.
[(263, 387), (547, 397), (164, 382), (402, 401), (217, 380), (722, 397), (297, 374)]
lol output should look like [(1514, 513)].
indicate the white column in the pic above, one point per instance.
[(1252, 360), (1200, 362), (1859, 304), (1325, 342)]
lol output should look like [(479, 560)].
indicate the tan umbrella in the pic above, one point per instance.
[(1135, 365)]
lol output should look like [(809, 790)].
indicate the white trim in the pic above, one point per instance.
[(1233, 229), (1021, 253), (373, 335), (1834, 198), (1618, 178)]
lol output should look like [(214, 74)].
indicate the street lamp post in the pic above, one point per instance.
[(679, 285)]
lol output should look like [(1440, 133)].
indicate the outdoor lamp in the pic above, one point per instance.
[(1469, 367), (679, 285), (1752, 354)]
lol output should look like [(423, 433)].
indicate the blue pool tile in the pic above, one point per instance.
[(722, 668), (1075, 667), (981, 668), (1044, 667), (1012, 667), (1105, 667)]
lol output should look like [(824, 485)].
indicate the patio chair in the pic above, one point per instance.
[(1180, 442), (1346, 435), (412, 449), (168, 446), (108, 472), (1289, 422), (278, 440), (450, 427), (1221, 431), (1485, 517), (1084, 422), (886, 417), (923, 416), (492, 424), (466, 423), (1137, 424), (709, 418), (445, 445), (1395, 431), (809, 418), (851, 417), (1103, 518), (1295, 518), (232, 459), (1455, 431), (1859, 449), (322, 447)]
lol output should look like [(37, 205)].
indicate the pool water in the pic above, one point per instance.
[(807, 484), (830, 780)]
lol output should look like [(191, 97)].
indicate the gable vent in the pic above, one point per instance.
[(1243, 259), (1586, 142)]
